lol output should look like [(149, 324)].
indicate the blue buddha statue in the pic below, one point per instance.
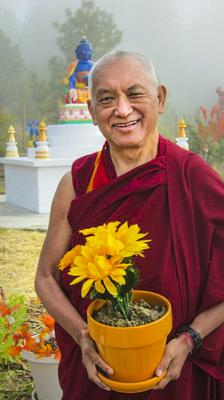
[(77, 73), (32, 128)]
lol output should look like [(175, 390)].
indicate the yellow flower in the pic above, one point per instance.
[(111, 240), (133, 245), (99, 270), (69, 257), (100, 262)]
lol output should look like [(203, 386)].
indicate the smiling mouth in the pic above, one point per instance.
[(126, 124)]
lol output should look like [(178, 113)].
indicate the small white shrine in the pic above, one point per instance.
[(31, 181), (182, 139)]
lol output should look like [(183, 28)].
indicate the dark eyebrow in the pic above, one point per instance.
[(102, 91)]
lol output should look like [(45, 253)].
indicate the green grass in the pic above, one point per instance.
[(16, 382), (19, 253), (2, 184)]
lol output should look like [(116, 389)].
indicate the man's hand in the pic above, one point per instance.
[(173, 360), (91, 360)]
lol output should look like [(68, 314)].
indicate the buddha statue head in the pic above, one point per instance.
[(84, 50)]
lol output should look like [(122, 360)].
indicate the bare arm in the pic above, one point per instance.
[(54, 247), (48, 289), (209, 320)]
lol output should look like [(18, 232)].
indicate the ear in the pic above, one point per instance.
[(90, 107), (162, 92)]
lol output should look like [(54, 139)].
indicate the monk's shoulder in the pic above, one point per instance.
[(190, 168), (186, 159), (81, 171)]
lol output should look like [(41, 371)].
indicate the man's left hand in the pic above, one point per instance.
[(176, 352)]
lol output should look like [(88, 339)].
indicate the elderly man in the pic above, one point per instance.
[(141, 177)]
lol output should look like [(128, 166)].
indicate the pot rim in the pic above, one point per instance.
[(132, 328), (33, 357)]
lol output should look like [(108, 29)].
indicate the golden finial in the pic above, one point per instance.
[(11, 145), (181, 128), (11, 132), (42, 150), (42, 131)]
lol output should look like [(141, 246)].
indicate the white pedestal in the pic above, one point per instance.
[(31, 183), (182, 142), (74, 140)]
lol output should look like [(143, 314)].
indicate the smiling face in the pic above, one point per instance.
[(125, 103)]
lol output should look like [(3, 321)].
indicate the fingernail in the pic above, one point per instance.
[(110, 371), (159, 372)]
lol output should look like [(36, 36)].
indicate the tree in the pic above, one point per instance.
[(8, 20), (5, 121), (39, 102), (11, 74), (94, 23), (212, 151)]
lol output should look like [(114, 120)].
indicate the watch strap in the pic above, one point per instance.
[(196, 337)]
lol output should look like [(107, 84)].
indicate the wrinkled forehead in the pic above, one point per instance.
[(124, 72)]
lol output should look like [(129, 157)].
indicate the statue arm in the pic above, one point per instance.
[(72, 81), (71, 74)]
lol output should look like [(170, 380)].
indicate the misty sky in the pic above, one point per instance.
[(185, 40)]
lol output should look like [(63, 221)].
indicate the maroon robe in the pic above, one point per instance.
[(179, 200)]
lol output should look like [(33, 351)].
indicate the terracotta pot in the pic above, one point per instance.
[(132, 352), (45, 375)]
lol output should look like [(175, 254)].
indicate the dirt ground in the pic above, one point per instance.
[(19, 253)]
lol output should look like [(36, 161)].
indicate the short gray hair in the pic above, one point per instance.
[(116, 56)]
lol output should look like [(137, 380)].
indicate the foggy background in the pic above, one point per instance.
[(185, 40)]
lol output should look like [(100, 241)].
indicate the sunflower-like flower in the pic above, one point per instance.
[(68, 258), (104, 259), (99, 270), (125, 241)]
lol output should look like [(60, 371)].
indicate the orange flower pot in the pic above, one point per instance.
[(132, 352)]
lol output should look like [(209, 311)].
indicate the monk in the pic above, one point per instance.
[(141, 177)]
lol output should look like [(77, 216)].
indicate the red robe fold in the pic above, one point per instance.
[(179, 200)]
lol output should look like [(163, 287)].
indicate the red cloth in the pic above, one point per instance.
[(179, 200)]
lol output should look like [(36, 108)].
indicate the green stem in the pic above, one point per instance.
[(123, 305)]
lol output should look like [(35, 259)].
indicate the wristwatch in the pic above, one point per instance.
[(196, 338)]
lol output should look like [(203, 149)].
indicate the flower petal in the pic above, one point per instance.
[(94, 271), (77, 271), (69, 257), (110, 286), (119, 279), (118, 271), (99, 287), (86, 287), (78, 279)]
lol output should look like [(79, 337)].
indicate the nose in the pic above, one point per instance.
[(123, 107)]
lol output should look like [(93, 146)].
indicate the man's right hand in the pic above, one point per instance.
[(91, 360)]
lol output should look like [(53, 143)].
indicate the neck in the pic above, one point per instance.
[(126, 159)]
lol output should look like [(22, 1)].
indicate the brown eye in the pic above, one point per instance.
[(106, 100), (136, 94)]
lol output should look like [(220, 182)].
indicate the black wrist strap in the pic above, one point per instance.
[(192, 332)]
